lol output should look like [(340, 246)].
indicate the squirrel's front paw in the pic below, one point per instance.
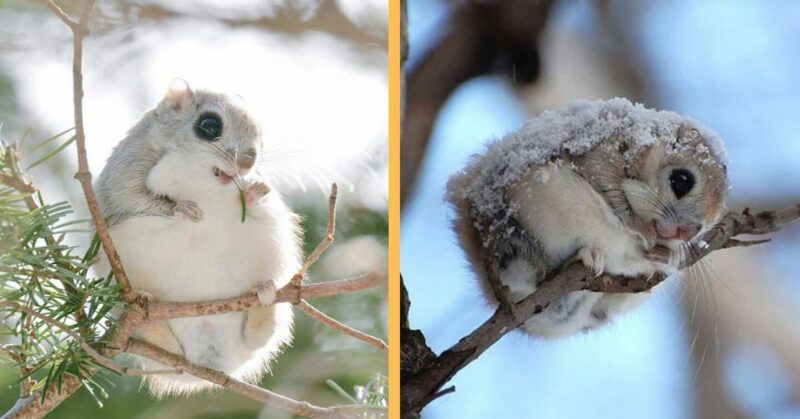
[(594, 259), (188, 210), (255, 191)]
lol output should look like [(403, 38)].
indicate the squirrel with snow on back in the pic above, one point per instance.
[(625, 189), (169, 193)]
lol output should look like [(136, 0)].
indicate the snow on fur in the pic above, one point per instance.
[(573, 131)]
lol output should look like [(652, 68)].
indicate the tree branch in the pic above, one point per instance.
[(140, 310), (59, 12), (326, 242), (421, 386), (33, 407), (334, 324), (328, 18), (84, 176), (481, 37), (267, 397), (155, 310)]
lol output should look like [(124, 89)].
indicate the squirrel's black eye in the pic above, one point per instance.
[(681, 181), (208, 127)]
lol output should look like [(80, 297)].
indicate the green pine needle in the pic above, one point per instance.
[(242, 198), (50, 276)]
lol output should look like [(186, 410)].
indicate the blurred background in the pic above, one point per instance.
[(313, 72), (721, 345)]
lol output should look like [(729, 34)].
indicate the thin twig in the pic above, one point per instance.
[(83, 175), (337, 325), (267, 397), (16, 180), (326, 242), (60, 13)]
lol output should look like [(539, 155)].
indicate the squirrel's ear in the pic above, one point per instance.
[(178, 95)]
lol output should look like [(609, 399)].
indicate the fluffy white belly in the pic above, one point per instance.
[(565, 214), (217, 257)]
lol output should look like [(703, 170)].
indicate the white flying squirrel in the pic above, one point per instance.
[(174, 214), (624, 188)]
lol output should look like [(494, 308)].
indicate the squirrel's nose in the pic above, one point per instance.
[(246, 160)]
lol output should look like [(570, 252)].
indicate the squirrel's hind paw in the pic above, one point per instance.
[(266, 293), (594, 259)]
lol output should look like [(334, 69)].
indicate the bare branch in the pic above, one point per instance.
[(500, 290), (326, 242), (267, 397), (155, 310), (482, 36), (59, 12), (336, 325), (84, 176), (421, 387)]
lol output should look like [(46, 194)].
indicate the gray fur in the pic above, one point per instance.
[(121, 188)]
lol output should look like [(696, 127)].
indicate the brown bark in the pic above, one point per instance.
[(423, 386)]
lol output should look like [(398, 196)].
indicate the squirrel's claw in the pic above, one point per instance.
[(188, 210), (594, 259)]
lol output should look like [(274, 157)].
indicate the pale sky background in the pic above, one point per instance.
[(322, 102)]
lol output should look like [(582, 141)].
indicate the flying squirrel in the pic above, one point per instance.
[(170, 194), (623, 188)]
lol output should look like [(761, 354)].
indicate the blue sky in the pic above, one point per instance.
[(731, 65)]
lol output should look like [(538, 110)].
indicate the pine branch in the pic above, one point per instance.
[(102, 360), (35, 406)]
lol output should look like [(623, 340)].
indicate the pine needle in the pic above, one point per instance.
[(242, 198)]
